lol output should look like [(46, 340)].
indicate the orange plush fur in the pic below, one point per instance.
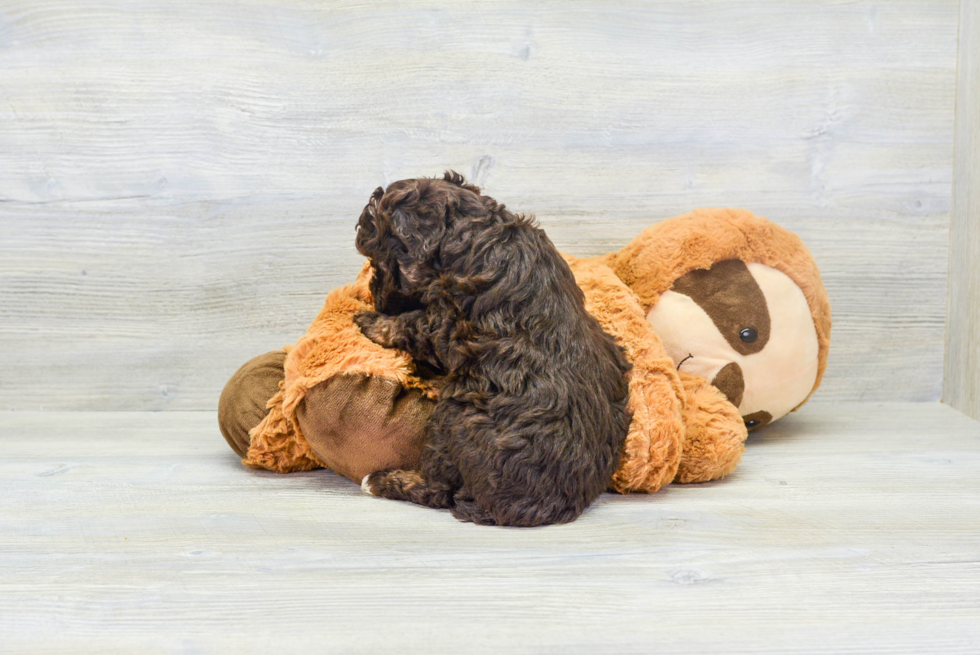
[(683, 429)]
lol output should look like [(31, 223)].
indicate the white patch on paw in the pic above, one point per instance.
[(364, 485)]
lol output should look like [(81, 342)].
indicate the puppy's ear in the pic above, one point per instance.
[(399, 194), (418, 216), (371, 209), (369, 228), (455, 178)]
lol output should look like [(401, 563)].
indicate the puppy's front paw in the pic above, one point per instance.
[(372, 324), (365, 320)]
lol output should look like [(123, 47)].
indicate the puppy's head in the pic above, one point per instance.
[(402, 231)]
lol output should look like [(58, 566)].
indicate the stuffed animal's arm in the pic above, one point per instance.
[(714, 433)]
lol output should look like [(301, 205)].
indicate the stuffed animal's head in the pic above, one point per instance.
[(745, 328), (736, 300)]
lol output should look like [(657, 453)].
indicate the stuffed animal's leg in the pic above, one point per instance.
[(398, 484), (408, 331), (714, 436)]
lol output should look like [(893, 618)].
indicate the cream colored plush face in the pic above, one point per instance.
[(778, 377)]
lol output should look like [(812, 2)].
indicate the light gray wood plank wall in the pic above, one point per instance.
[(179, 180), (962, 379)]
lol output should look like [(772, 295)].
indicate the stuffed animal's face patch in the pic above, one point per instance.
[(745, 328)]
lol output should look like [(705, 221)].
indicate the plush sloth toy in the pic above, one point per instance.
[(722, 314)]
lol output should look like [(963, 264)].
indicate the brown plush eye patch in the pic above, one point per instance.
[(729, 294)]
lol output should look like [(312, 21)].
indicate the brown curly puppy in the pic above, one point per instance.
[(532, 417)]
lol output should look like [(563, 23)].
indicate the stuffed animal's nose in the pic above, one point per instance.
[(730, 381)]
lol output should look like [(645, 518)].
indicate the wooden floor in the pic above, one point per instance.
[(847, 528)]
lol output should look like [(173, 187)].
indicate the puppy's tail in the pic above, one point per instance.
[(399, 484)]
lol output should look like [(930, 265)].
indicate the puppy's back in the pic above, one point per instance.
[(552, 413)]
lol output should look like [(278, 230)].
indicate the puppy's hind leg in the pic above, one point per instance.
[(399, 484), (466, 510)]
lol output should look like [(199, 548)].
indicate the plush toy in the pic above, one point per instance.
[(722, 314)]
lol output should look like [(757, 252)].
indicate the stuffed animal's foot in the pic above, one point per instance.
[(714, 436), (243, 402)]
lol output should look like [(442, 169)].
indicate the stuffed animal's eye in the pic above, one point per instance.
[(751, 423), (748, 335)]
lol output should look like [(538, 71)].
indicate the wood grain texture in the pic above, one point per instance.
[(962, 378), (847, 528), (181, 179)]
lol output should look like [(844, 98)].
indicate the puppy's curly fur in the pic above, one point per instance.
[(532, 417)]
